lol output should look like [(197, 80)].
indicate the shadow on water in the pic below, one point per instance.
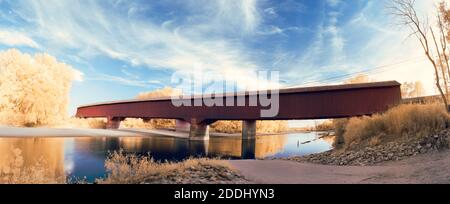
[(85, 157)]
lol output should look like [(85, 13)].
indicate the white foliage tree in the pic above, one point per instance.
[(34, 90)]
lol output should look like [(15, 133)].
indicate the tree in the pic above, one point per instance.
[(360, 78), (434, 44), (445, 13), (159, 93), (34, 90), (412, 89)]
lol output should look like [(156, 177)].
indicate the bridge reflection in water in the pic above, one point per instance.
[(80, 157)]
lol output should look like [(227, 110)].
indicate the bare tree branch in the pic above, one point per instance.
[(404, 10)]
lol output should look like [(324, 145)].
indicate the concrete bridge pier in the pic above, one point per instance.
[(248, 129), (248, 149), (182, 126), (248, 145), (199, 130), (113, 122)]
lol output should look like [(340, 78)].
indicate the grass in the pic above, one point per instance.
[(225, 126), (404, 121), (131, 169), (97, 123)]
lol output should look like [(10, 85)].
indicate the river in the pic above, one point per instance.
[(84, 157)]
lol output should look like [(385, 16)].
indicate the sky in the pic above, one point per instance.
[(124, 47)]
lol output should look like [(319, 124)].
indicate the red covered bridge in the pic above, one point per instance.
[(321, 102)]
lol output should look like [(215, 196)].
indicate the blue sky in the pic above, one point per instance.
[(127, 47)]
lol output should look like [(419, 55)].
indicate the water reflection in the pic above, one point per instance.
[(84, 157), (19, 153)]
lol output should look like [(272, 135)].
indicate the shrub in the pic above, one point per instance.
[(129, 168)]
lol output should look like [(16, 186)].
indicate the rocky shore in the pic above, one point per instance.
[(392, 151)]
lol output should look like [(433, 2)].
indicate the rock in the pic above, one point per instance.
[(395, 151)]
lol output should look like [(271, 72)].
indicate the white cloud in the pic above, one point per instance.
[(270, 11), (12, 38), (370, 40), (394, 45), (271, 30), (78, 75), (250, 13), (333, 3), (88, 27), (125, 81), (274, 30)]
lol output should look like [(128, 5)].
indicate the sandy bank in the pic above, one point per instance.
[(427, 168), (62, 132), (7, 131)]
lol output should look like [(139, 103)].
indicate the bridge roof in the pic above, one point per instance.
[(281, 91)]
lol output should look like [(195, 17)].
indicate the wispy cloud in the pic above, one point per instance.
[(95, 28), (223, 36), (334, 3), (126, 81), (364, 41), (13, 38)]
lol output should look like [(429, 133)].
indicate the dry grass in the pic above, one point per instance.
[(225, 126), (325, 126), (135, 123), (15, 172), (97, 123), (152, 124), (404, 121), (129, 168), (162, 123)]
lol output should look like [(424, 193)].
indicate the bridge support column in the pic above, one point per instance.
[(248, 129), (248, 145), (198, 130), (248, 149), (182, 126), (113, 122)]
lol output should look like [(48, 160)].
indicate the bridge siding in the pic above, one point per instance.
[(335, 103)]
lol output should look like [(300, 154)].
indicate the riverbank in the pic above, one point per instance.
[(9, 131), (421, 169), (392, 151)]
